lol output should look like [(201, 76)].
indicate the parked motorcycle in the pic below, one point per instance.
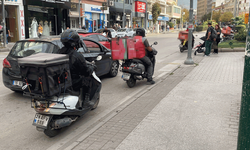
[(56, 113), (134, 69)]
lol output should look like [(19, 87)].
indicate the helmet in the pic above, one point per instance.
[(70, 38), (140, 32)]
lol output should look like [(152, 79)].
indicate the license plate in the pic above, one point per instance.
[(18, 83), (126, 76), (41, 120)]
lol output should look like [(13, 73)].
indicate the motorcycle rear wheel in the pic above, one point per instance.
[(131, 82), (96, 103), (50, 132)]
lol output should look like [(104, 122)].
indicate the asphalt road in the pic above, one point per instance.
[(16, 114)]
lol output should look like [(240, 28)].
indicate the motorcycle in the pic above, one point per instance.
[(134, 69), (184, 45), (55, 113)]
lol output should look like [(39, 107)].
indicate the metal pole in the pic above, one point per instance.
[(80, 14), (244, 124), (124, 15), (189, 60), (4, 27), (235, 8)]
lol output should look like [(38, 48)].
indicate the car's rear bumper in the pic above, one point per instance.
[(8, 80)]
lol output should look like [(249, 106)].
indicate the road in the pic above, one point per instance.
[(16, 114)]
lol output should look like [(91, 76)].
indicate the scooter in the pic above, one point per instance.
[(55, 113), (134, 69)]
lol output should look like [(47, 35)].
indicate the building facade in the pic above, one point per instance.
[(163, 18), (115, 16), (201, 9), (173, 10), (14, 19), (91, 15), (139, 13), (52, 15)]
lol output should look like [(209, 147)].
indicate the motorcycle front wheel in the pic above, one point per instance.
[(131, 82)]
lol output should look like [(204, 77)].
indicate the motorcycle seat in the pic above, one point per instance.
[(137, 61)]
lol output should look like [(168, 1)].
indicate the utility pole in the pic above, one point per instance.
[(244, 132), (80, 14), (4, 26), (189, 60), (124, 15), (235, 8)]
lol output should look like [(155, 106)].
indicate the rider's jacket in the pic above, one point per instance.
[(77, 64), (139, 47)]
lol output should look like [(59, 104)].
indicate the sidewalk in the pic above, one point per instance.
[(7, 48), (200, 113)]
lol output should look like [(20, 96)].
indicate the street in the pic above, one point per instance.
[(16, 114)]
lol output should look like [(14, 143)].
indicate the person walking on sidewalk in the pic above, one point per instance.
[(209, 40), (217, 40), (7, 34)]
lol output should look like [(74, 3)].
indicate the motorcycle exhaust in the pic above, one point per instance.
[(60, 123)]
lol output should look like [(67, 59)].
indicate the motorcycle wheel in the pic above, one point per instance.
[(181, 50), (131, 82), (96, 103), (195, 53), (49, 132)]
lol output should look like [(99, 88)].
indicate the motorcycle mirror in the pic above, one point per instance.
[(155, 43), (99, 58)]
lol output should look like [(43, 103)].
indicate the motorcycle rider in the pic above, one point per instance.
[(140, 36), (80, 71)]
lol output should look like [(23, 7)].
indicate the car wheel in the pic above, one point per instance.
[(114, 69)]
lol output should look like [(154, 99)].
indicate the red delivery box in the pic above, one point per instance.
[(183, 35), (118, 49), (127, 48)]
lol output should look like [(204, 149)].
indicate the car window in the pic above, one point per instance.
[(93, 36), (102, 38), (121, 30), (27, 48), (92, 47)]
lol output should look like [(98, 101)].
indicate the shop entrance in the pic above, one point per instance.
[(12, 22)]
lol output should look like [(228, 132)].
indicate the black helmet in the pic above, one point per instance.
[(140, 32), (70, 38)]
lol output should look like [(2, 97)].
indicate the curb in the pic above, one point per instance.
[(231, 50)]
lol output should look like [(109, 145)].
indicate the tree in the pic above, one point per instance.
[(186, 16), (226, 17), (216, 16), (206, 17), (156, 10)]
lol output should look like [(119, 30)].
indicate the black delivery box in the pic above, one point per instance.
[(45, 74)]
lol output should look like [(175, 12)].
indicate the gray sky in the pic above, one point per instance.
[(186, 3)]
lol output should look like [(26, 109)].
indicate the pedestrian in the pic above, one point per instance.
[(7, 34), (209, 39), (217, 40), (168, 27), (40, 30)]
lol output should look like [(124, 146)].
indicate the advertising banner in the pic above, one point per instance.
[(140, 7)]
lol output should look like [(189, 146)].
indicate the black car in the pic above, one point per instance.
[(23, 48)]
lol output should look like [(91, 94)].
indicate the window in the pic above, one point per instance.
[(102, 38), (93, 36), (24, 49), (92, 47)]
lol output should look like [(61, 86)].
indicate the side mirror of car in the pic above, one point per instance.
[(155, 43)]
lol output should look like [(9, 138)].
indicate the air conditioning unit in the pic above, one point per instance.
[(111, 3)]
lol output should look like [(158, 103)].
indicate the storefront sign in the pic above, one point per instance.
[(55, 1), (13, 2), (73, 7), (140, 7), (160, 18), (22, 25), (95, 9)]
